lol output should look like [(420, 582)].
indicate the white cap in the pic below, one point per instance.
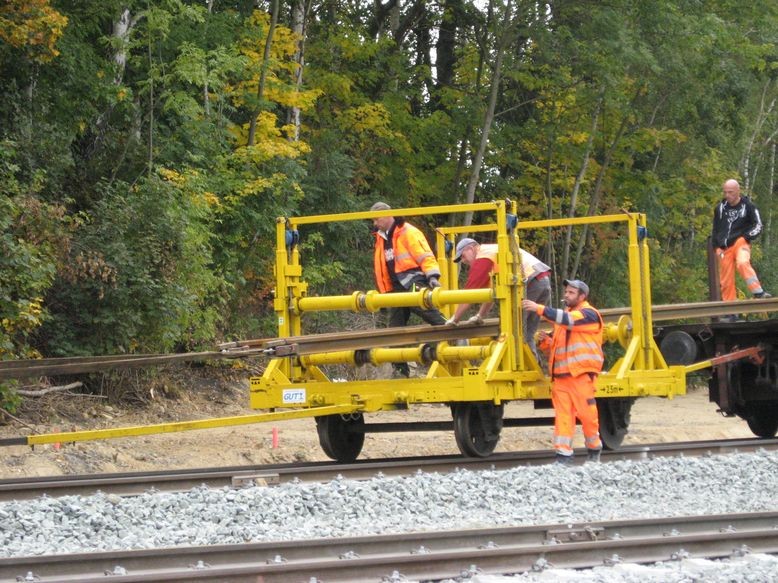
[(463, 244)]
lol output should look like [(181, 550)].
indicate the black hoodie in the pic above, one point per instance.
[(732, 222)]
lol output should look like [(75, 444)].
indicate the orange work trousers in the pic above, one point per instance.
[(737, 256), (574, 397)]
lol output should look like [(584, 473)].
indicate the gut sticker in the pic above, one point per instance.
[(289, 396)]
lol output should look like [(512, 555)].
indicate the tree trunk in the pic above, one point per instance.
[(445, 49), (489, 116), (206, 101), (122, 27), (263, 73), (762, 115), (151, 108), (300, 10), (595, 200), (770, 191), (577, 186)]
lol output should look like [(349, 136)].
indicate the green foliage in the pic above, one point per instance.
[(32, 236), (134, 216), (138, 277)]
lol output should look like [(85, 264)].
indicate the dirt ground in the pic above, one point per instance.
[(689, 417)]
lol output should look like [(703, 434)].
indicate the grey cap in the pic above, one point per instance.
[(577, 284), (463, 244), (380, 206)]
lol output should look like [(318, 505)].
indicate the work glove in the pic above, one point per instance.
[(433, 282), (451, 322), (475, 320)]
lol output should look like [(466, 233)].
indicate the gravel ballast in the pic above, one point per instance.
[(674, 486), (756, 568)]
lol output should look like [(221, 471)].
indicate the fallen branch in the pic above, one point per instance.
[(5, 413), (48, 390)]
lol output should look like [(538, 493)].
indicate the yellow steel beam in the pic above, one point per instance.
[(575, 221), (405, 212), (372, 301), (375, 356), (96, 434)]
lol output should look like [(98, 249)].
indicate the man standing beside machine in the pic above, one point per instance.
[(575, 358)]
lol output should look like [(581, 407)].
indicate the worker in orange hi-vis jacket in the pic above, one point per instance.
[(403, 261), (736, 222), (575, 359)]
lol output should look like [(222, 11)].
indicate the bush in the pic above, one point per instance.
[(139, 276)]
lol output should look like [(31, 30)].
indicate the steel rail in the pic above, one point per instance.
[(354, 340), (298, 345), (697, 310), (419, 555), (240, 476)]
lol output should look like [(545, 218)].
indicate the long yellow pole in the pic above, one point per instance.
[(443, 353), (93, 434), (373, 301)]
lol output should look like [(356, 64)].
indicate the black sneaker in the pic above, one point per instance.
[(762, 294)]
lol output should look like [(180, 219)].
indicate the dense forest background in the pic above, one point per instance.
[(147, 146)]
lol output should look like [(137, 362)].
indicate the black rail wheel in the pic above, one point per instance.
[(341, 436), (614, 416), (477, 428), (762, 418)]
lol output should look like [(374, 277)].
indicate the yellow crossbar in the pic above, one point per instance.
[(96, 434)]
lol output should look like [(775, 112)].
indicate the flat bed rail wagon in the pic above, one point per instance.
[(473, 369), (475, 379)]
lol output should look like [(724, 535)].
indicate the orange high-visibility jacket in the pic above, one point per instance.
[(412, 257), (575, 348)]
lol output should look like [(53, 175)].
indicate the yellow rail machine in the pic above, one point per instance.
[(475, 378)]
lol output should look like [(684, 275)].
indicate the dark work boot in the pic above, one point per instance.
[(593, 455), (762, 294), (563, 460)]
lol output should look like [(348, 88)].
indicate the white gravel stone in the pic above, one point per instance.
[(670, 486)]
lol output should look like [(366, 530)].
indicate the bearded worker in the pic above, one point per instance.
[(575, 359)]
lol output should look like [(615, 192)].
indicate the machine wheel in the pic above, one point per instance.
[(614, 415), (477, 428), (341, 436), (678, 347), (762, 418)]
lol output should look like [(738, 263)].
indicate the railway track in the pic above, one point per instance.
[(428, 556), (357, 340), (269, 475), (418, 556)]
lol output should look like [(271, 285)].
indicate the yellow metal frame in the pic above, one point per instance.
[(497, 370)]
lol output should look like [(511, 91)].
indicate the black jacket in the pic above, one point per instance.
[(731, 222)]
